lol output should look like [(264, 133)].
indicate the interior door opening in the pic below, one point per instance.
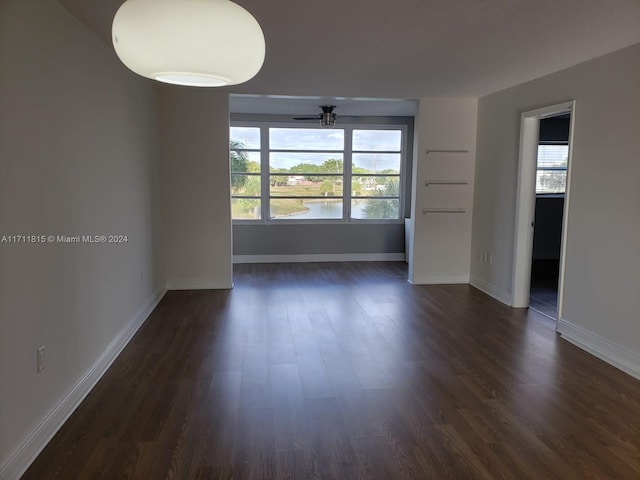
[(551, 176), (529, 179)]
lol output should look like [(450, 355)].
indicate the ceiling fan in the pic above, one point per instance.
[(327, 117)]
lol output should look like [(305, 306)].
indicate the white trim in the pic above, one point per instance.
[(27, 452), (525, 210), (551, 110), (321, 257), (612, 353), (565, 216), (440, 280), (525, 202), (196, 284), (490, 289)]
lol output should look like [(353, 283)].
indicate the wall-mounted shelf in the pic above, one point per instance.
[(425, 211), (447, 151), (445, 182)]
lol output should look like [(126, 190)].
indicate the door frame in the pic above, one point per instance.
[(526, 202)]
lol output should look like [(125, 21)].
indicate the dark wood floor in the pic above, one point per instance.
[(346, 371)]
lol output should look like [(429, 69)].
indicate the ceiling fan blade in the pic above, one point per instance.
[(307, 118)]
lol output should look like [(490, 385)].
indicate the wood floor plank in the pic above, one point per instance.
[(218, 421), (255, 450), (346, 371), (290, 425), (296, 465)]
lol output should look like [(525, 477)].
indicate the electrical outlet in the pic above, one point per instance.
[(40, 359)]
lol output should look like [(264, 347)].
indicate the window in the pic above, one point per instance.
[(314, 174), (307, 173), (245, 162), (375, 180), (551, 175)]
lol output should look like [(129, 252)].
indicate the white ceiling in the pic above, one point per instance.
[(413, 48)]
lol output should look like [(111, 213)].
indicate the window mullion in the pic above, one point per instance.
[(264, 174), (346, 187)]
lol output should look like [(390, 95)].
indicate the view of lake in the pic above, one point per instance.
[(327, 209)]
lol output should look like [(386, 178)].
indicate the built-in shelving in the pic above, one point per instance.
[(426, 211), (428, 183)]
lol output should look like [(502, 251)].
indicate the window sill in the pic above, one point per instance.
[(320, 222)]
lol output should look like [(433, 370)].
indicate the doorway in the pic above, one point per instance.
[(530, 181), (551, 176)]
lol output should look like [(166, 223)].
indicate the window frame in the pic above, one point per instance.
[(347, 152), (260, 174)]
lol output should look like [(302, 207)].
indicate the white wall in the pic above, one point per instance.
[(77, 136), (602, 279), (441, 244), (194, 132)]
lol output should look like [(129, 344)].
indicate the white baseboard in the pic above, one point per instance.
[(27, 452), (440, 280), (612, 353), (321, 257), (196, 284), (490, 289)]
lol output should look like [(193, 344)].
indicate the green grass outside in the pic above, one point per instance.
[(314, 190), (282, 207)]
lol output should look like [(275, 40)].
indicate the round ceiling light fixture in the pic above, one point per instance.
[(201, 43)]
